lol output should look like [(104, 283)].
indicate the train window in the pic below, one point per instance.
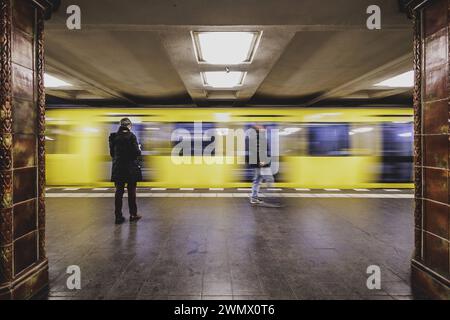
[(293, 139), (397, 152), (196, 133), (155, 138), (328, 139), (365, 139), (59, 139)]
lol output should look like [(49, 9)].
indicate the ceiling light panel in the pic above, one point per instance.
[(404, 80), (223, 79), (225, 48), (53, 82)]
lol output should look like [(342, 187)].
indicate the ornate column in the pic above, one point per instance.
[(431, 261), (23, 263)]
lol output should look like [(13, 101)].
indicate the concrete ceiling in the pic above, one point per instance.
[(140, 53)]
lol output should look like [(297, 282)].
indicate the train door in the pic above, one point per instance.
[(397, 153), (196, 162)]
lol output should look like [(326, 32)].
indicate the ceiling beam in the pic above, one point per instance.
[(273, 44), (401, 64), (88, 83), (231, 12), (94, 27), (180, 49), (375, 94)]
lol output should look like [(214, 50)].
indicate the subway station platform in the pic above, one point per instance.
[(80, 192), (317, 246)]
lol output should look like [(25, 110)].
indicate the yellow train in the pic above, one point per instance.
[(318, 147)]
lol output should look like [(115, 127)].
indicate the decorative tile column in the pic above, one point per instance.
[(431, 261), (23, 262)]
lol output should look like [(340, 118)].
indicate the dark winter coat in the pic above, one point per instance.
[(261, 155), (126, 154)]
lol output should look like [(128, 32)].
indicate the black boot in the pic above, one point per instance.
[(135, 217), (120, 220)]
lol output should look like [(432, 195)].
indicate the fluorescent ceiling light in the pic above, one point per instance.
[(363, 129), (404, 80), (292, 130), (288, 131), (360, 130), (223, 79), (225, 48), (53, 82), (222, 117)]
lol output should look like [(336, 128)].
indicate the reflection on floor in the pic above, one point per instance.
[(222, 248)]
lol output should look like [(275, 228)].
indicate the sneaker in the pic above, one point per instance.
[(135, 218), (120, 220), (255, 201)]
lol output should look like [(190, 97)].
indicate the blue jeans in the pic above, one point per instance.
[(258, 179)]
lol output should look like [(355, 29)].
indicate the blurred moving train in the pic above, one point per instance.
[(319, 147)]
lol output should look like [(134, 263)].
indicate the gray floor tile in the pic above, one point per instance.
[(223, 248)]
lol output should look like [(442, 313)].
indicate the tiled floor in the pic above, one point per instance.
[(222, 248)]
